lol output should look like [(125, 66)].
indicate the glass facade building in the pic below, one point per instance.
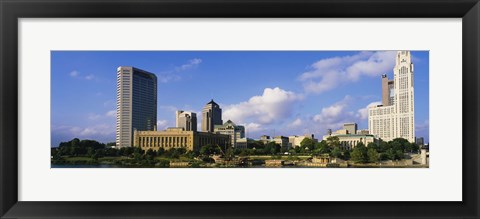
[(136, 103)]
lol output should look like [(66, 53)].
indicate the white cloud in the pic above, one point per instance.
[(86, 132), (167, 77), (273, 104), (191, 64), (296, 123), (74, 73), (111, 113), (90, 77), (109, 103), (168, 108), (329, 73), (422, 126), (93, 116), (335, 115), (162, 124), (253, 128), (363, 112), (107, 115), (172, 75)]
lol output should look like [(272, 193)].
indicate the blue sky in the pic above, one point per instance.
[(270, 92)]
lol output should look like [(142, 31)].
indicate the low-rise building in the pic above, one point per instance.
[(178, 138), (349, 137), (349, 141), (242, 143), (265, 139), (350, 127), (294, 141), (234, 131), (341, 132), (282, 141), (363, 132)]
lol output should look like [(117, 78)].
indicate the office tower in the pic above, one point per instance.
[(186, 120), (211, 116), (397, 118), (136, 103)]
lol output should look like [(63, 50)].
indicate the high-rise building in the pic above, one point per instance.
[(211, 116), (136, 103), (396, 117), (236, 132), (186, 120), (387, 91)]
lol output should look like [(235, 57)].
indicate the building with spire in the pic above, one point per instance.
[(395, 118), (211, 116)]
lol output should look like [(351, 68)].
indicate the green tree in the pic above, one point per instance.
[(412, 148), (90, 152), (333, 141), (374, 145), (397, 146), (210, 149), (399, 155), (150, 152), (138, 154), (229, 154), (391, 154), (336, 152), (373, 155), (384, 146), (160, 151), (346, 155), (75, 142), (307, 143), (322, 148), (359, 153), (272, 148)]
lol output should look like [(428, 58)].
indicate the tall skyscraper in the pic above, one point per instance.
[(136, 103), (211, 116), (186, 120), (396, 117)]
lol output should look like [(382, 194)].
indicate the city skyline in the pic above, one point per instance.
[(273, 93)]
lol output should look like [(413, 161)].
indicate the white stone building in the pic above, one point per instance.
[(395, 118)]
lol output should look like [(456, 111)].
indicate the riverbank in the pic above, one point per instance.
[(237, 162)]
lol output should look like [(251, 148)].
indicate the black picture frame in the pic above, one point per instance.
[(12, 10)]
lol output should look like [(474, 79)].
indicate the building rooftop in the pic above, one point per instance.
[(212, 102), (354, 135)]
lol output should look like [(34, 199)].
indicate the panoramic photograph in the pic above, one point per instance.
[(240, 109)]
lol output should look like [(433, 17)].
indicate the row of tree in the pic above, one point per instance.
[(373, 152)]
